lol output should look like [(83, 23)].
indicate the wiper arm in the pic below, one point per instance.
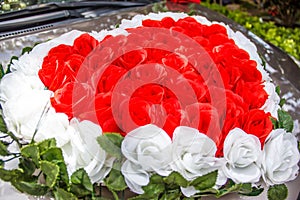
[(34, 20), (50, 7), (54, 12)]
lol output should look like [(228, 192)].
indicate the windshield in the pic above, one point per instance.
[(13, 5)]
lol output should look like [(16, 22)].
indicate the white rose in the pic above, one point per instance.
[(20, 84), (193, 153), (135, 176), (280, 157), (83, 151), (150, 147), (23, 113), (54, 125), (242, 153)]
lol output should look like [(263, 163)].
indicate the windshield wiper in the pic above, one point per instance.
[(45, 13)]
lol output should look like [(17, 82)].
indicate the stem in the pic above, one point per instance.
[(15, 155), (45, 110), (4, 136)]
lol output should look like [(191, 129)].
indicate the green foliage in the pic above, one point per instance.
[(3, 127), (3, 149), (287, 39), (111, 143), (52, 177), (285, 121), (277, 192), (81, 184), (205, 182)]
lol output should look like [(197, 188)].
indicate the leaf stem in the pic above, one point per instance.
[(15, 155)]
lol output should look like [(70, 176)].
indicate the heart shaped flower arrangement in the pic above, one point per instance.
[(168, 105)]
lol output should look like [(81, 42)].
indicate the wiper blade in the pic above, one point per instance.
[(53, 12), (34, 20), (56, 6)]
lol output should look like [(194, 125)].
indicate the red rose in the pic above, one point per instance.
[(151, 23), (52, 71), (139, 111), (258, 123), (109, 78), (84, 44), (131, 59), (62, 100), (167, 22), (203, 117), (214, 29), (151, 93), (175, 61), (186, 1), (253, 93)]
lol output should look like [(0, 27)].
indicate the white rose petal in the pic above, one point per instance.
[(280, 157), (242, 153), (83, 151), (188, 191), (54, 125), (23, 114), (135, 176), (21, 84), (193, 153), (272, 103), (148, 146)]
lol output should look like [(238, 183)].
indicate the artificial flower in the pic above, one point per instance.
[(280, 157), (193, 153), (243, 157)]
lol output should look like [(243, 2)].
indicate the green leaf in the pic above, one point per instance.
[(3, 127), (277, 90), (2, 73), (176, 178), (285, 120), (245, 188), (3, 149), (53, 154), (277, 192), (255, 192), (26, 50), (205, 182), (174, 195), (80, 183), (111, 143), (27, 165), (31, 188), (63, 173), (155, 187), (115, 180), (61, 194), (229, 187), (274, 122), (282, 102), (10, 63), (46, 144), (153, 190), (31, 151), (10, 175), (51, 171)]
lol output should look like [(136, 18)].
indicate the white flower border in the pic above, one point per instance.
[(26, 107)]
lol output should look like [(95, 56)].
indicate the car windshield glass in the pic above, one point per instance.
[(14, 5)]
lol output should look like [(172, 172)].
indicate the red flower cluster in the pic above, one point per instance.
[(157, 103), (186, 1)]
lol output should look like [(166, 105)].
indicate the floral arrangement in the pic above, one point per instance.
[(167, 105)]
